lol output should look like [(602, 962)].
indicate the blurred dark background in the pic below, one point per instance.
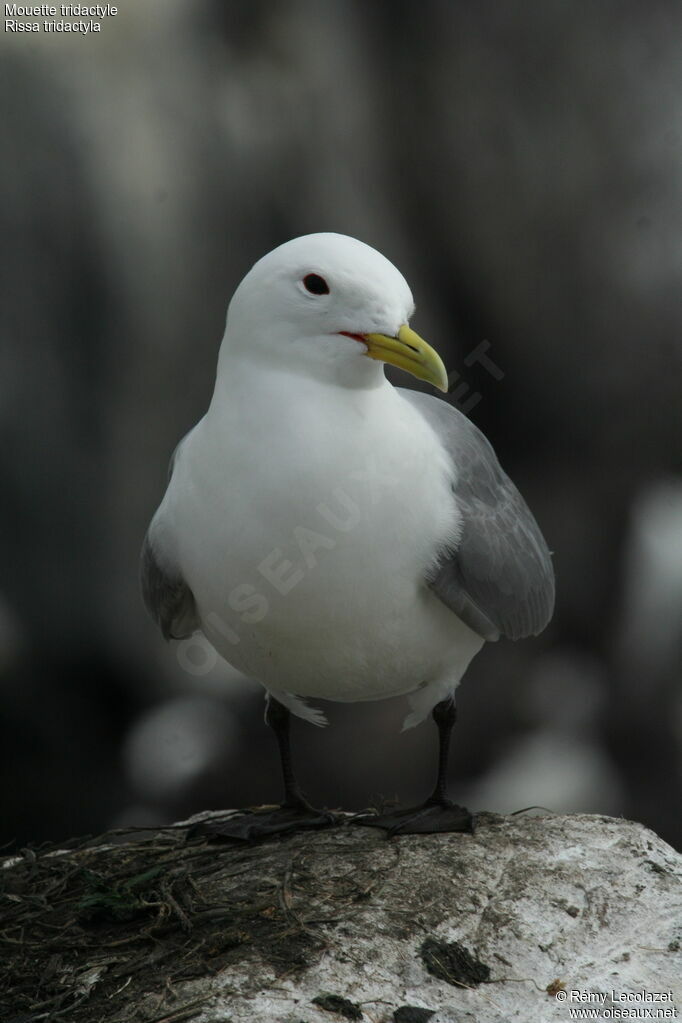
[(522, 164)]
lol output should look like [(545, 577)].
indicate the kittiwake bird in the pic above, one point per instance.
[(334, 536)]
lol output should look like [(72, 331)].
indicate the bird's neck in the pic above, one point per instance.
[(242, 381)]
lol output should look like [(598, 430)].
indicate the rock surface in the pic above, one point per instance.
[(530, 918)]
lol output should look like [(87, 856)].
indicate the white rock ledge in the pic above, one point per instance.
[(531, 918), (585, 905)]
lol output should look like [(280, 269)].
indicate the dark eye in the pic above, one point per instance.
[(315, 284)]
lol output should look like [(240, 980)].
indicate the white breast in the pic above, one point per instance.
[(308, 561)]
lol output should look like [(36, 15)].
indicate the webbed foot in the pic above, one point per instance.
[(430, 818), (264, 822)]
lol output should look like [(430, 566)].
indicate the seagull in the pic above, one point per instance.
[(333, 536)]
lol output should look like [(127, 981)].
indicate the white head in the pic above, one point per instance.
[(319, 305)]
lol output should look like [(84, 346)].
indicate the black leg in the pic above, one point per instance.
[(445, 715), (294, 814), (438, 813), (278, 717)]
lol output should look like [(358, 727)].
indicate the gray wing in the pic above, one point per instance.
[(166, 595), (500, 579)]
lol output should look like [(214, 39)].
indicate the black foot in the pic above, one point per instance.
[(252, 825), (429, 819)]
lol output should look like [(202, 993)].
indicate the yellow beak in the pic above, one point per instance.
[(410, 352)]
